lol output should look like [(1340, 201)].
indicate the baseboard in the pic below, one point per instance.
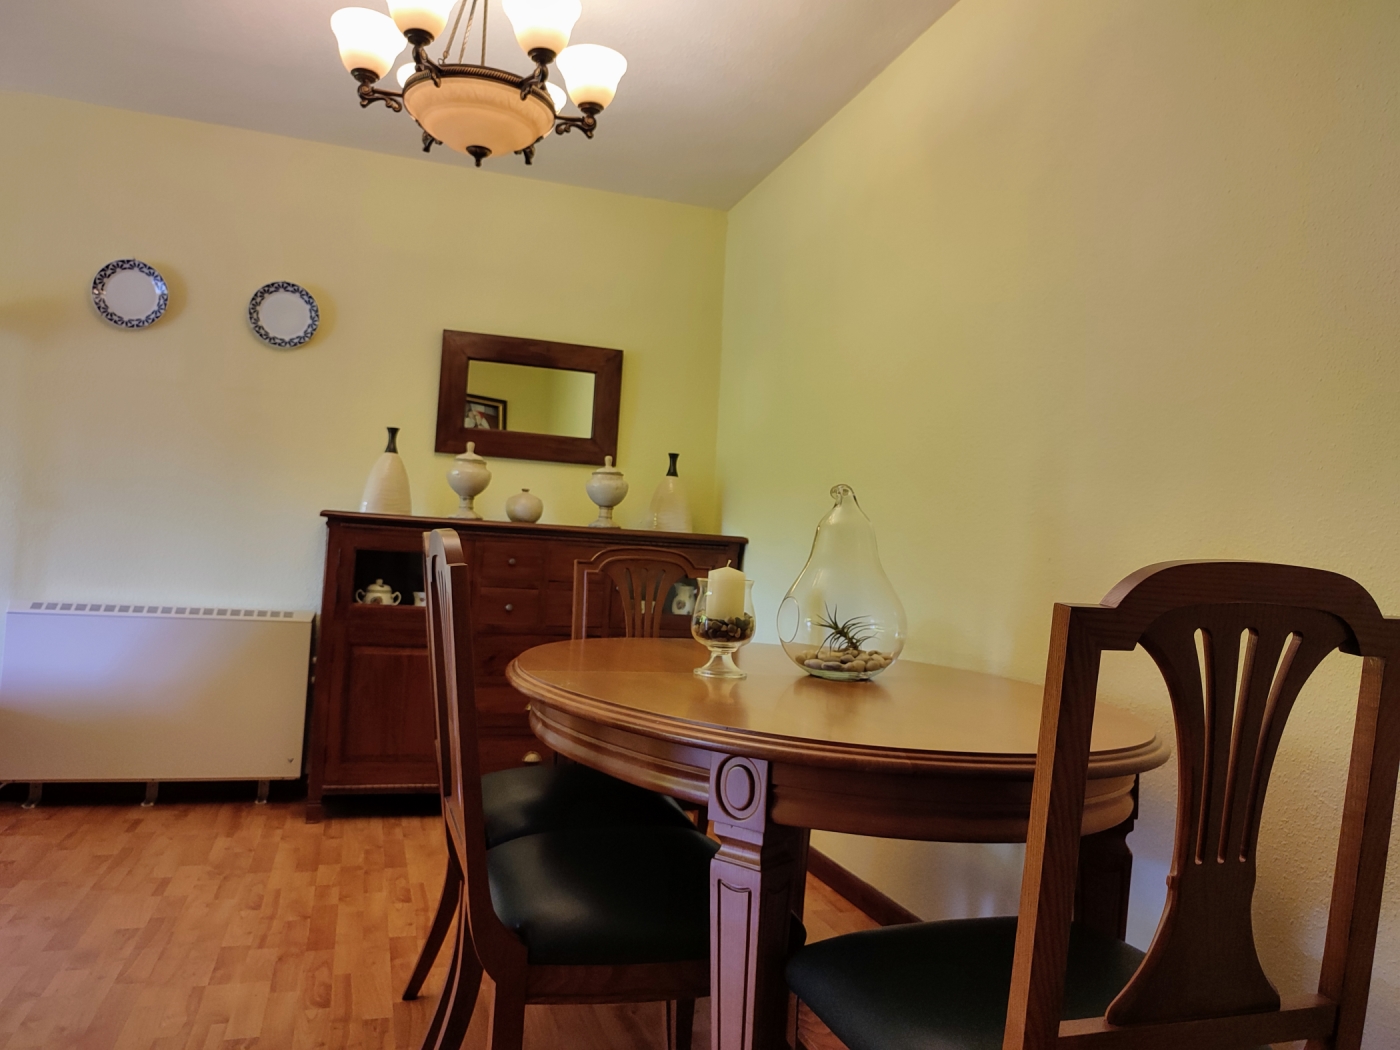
[(884, 910)]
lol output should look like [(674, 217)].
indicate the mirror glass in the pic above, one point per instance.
[(284, 315), (529, 399), (130, 293)]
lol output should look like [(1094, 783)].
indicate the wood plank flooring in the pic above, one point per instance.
[(230, 926)]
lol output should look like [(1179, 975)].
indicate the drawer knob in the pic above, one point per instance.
[(531, 758), (510, 607), (510, 561)]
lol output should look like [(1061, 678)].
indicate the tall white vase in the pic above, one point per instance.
[(670, 509), (386, 489)]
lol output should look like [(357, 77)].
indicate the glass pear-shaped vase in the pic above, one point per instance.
[(841, 619)]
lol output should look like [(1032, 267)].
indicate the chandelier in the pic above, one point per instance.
[(477, 109)]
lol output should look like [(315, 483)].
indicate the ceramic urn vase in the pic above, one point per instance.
[(386, 489), (607, 488), (524, 506), (468, 477)]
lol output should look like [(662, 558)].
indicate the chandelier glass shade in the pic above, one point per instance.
[(542, 23), (478, 109)]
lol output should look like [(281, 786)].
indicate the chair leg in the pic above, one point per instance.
[(507, 1030), (680, 1024), (430, 1038), (442, 921), (454, 1014)]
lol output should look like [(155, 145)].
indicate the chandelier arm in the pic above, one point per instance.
[(423, 61), (534, 80), (485, 11), (587, 124), (369, 94)]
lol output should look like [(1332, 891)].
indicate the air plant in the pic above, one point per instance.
[(852, 635)]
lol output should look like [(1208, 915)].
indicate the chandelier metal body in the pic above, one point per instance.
[(478, 109)]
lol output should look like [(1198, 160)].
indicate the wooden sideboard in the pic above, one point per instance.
[(372, 712)]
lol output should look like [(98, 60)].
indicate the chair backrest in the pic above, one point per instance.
[(436, 657), (640, 578), (448, 579), (1235, 642)]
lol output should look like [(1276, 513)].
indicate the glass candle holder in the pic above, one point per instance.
[(723, 634)]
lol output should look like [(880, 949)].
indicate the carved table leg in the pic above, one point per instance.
[(752, 880), (1105, 878), (798, 905)]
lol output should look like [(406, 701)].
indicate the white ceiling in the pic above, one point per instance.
[(717, 92)]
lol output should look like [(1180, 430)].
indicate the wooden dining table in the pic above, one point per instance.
[(921, 752)]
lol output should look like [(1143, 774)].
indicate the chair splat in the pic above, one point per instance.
[(1233, 673)]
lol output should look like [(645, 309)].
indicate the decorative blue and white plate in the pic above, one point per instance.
[(283, 314), (130, 293)]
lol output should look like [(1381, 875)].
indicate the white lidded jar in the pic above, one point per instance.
[(607, 488), (468, 477), (841, 618), (386, 489), (670, 509)]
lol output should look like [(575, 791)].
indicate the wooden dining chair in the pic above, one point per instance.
[(1235, 642), (522, 801), (639, 578), (575, 915)]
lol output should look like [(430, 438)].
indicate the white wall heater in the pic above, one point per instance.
[(111, 691)]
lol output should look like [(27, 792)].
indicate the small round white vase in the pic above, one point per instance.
[(524, 506)]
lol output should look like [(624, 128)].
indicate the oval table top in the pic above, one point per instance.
[(915, 717)]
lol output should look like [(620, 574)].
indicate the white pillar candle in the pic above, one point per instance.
[(726, 594)]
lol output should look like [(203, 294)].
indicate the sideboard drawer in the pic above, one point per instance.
[(514, 607), (499, 700), (559, 606), (510, 563), (560, 568), (494, 652)]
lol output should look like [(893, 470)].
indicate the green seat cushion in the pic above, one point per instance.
[(532, 799), (606, 895), (942, 985)]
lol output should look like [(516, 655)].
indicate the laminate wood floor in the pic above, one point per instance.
[(230, 926)]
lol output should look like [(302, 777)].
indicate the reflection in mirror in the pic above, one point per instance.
[(529, 399)]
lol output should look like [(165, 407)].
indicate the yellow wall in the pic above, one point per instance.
[(1068, 289), (189, 461)]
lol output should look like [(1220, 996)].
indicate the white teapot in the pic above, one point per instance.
[(378, 593)]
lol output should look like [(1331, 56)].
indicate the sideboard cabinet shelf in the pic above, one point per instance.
[(372, 711)]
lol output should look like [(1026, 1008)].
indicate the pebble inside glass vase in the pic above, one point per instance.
[(841, 619)]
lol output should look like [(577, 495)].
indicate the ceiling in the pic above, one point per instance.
[(717, 92)]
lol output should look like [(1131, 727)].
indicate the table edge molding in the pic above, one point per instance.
[(1122, 762)]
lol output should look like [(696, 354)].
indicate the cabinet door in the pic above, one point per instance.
[(380, 732)]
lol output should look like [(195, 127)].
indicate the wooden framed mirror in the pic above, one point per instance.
[(528, 398)]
